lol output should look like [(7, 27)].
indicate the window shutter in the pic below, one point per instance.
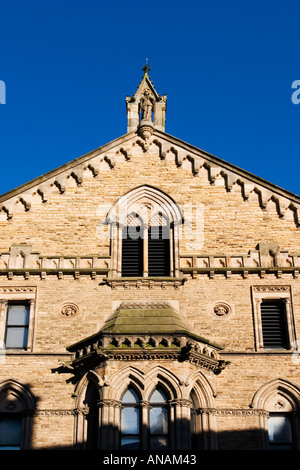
[(159, 251), (132, 252), (274, 327)]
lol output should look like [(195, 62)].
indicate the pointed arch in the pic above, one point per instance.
[(17, 396), (202, 391), (122, 379), (280, 399), (159, 376), (150, 205), (17, 404), (270, 393)]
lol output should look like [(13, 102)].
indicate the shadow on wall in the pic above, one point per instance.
[(231, 440)]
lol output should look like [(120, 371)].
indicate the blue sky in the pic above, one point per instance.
[(227, 68)]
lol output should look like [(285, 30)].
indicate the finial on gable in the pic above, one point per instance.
[(146, 109), (146, 67)]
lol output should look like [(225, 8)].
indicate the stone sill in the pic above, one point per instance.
[(150, 282)]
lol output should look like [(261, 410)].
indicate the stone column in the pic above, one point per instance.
[(108, 426), (144, 424), (182, 422)]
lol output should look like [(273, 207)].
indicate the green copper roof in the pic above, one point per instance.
[(159, 318), (144, 318), (148, 318)]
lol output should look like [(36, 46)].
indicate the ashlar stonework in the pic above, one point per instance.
[(149, 299)]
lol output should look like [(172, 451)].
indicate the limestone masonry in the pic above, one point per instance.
[(149, 299)]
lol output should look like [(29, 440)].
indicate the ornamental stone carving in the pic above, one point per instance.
[(69, 309), (222, 309)]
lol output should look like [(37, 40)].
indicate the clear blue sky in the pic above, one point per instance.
[(227, 68)]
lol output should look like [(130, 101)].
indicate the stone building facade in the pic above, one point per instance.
[(149, 299)]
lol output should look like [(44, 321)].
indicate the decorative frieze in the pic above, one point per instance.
[(232, 412), (38, 413)]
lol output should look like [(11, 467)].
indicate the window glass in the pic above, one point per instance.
[(158, 396), (130, 396), (130, 421), (17, 326), (280, 431), (158, 420)]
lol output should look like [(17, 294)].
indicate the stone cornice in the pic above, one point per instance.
[(261, 261)]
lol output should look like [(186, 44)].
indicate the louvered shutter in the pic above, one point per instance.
[(159, 251), (132, 252), (274, 326)]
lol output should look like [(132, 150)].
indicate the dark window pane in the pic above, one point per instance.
[(159, 251), (10, 433), (274, 327), (158, 443), (132, 252), (130, 443)]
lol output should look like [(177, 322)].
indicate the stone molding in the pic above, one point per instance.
[(191, 265), (182, 403), (38, 413), (232, 412)]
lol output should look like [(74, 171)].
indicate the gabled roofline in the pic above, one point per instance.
[(229, 166), (66, 166)]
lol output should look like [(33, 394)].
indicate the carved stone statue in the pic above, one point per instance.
[(146, 106)]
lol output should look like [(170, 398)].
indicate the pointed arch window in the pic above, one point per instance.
[(16, 408)]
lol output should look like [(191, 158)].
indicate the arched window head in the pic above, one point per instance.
[(16, 405), (145, 234), (130, 396)]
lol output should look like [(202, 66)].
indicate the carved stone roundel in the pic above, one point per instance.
[(69, 309), (221, 309)]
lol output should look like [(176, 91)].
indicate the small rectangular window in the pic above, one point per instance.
[(274, 324), (17, 324)]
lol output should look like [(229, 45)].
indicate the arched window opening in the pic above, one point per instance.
[(159, 420), (130, 420), (145, 232), (16, 407)]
